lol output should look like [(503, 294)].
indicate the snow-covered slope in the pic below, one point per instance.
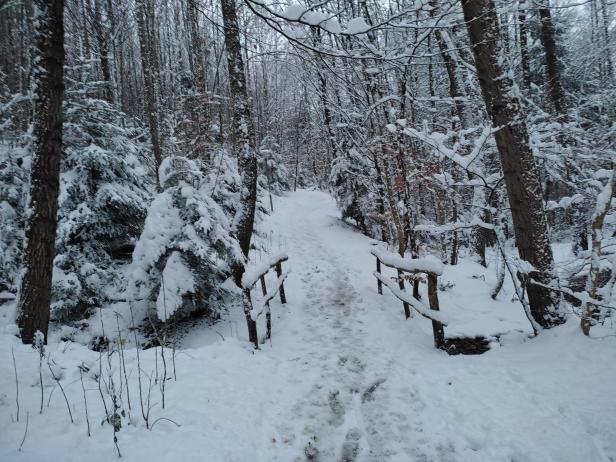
[(344, 378)]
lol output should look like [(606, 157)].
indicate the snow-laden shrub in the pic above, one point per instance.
[(224, 181), (104, 192), (14, 168), (272, 167), (349, 179), (184, 255)]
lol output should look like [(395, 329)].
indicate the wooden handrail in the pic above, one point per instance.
[(249, 280), (415, 265), (433, 268), (417, 305), (252, 275)]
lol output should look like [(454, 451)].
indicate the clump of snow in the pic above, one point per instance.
[(332, 25), (177, 280), (314, 18), (357, 26), (293, 12), (162, 224)]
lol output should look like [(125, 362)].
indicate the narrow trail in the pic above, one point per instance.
[(359, 383), (340, 412)]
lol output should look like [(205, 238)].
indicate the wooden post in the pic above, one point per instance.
[(437, 327), (407, 309), (268, 322), (379, 284), (268, 314), (283, 297), (252, 324), (416, 289)]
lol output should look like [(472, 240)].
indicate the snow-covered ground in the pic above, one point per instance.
[(345, 377)]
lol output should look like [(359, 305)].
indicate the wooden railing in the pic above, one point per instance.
[(249, 280), (429, 266)]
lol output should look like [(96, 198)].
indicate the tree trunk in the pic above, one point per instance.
[(557, 94), (102, 37), (148, 68), (35, 295), (520, 172), (592, 284), (606, 38), (524, 45), (242, 133), (455, 91)]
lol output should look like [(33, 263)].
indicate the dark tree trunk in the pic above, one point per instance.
[(524, 44), (548, 40), (244, 147), (103, 49), (197, 112), (242, 133), (148, 67), (35, 296), (606, 38), (327, 118), (455, 91), (520, 172)]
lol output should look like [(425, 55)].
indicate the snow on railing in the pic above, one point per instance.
[(417, 305), (253, 274), (428, 264), (433, 268), (255, 313), (249, 279)]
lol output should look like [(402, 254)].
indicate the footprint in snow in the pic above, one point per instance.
[(350, 448)]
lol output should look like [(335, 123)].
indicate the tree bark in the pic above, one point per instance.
[(548, 40), (35, 293), (242, 132), (593, 281), (524, 44), (606, 38), (521, 175), (102, 37), (148, 68)]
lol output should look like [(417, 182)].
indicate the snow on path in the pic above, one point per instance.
[(376, 389), (346, 378)]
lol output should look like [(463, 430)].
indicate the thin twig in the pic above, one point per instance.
[(25, 431), (164, 418), (57, 380), (123, 362), (143, 414), (85, 401), (16, 382)]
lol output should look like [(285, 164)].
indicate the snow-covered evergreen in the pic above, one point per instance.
[(184, 255), (14, 168), (272, 167), (105, 190)]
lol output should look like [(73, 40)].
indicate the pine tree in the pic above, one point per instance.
[(186, 251), (271, 166), (105, 191)]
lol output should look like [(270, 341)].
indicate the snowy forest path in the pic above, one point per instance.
[(345, 377), (339, 415)]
